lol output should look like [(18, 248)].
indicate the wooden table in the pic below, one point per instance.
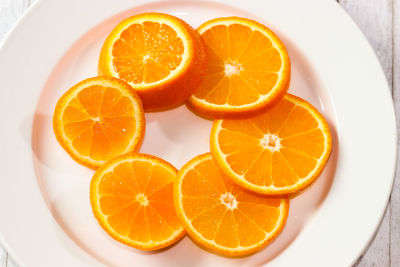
[(380, 22)]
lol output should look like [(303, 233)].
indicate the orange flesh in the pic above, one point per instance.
[(277, 148), (99, 122), (223, 212), (147, 52), (243, 65), (136, 198)]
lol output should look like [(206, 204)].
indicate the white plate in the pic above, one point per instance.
[(44, 205)]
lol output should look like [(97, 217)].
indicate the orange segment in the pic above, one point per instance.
[(221, 215), (98, 119), (248, 69), (132, 199), (278, 152), (159, 55)]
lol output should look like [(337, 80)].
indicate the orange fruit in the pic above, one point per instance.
[(98, 119), (248, 69), (159, 55), (278, 152), (222, 216), (132, 199)]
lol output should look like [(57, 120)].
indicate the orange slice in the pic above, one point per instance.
[(98, 119), (222, 216), (248, 69), (132, 199), (278, 152), (159, 55)]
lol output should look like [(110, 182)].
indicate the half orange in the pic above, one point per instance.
[(159, 55), (248, 69), (222, 216), (278, 152), (98, 119), (132, 199)]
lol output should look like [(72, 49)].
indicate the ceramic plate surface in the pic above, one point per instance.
[(46, 219)]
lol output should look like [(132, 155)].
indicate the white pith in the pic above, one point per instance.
[(228, 200), (271, 142)]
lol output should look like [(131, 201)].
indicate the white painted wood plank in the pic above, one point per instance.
[(375, 20), (395, 199), (3, 256), (374, 17), (378, 252), (10, 11)]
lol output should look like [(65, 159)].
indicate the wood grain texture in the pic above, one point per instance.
[(395, 198), (380, 22)]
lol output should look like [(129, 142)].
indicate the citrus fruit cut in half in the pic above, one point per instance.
[(98, 119), (132, 199), (278, 152), (248, 69), (222, 216), (159, 55)]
